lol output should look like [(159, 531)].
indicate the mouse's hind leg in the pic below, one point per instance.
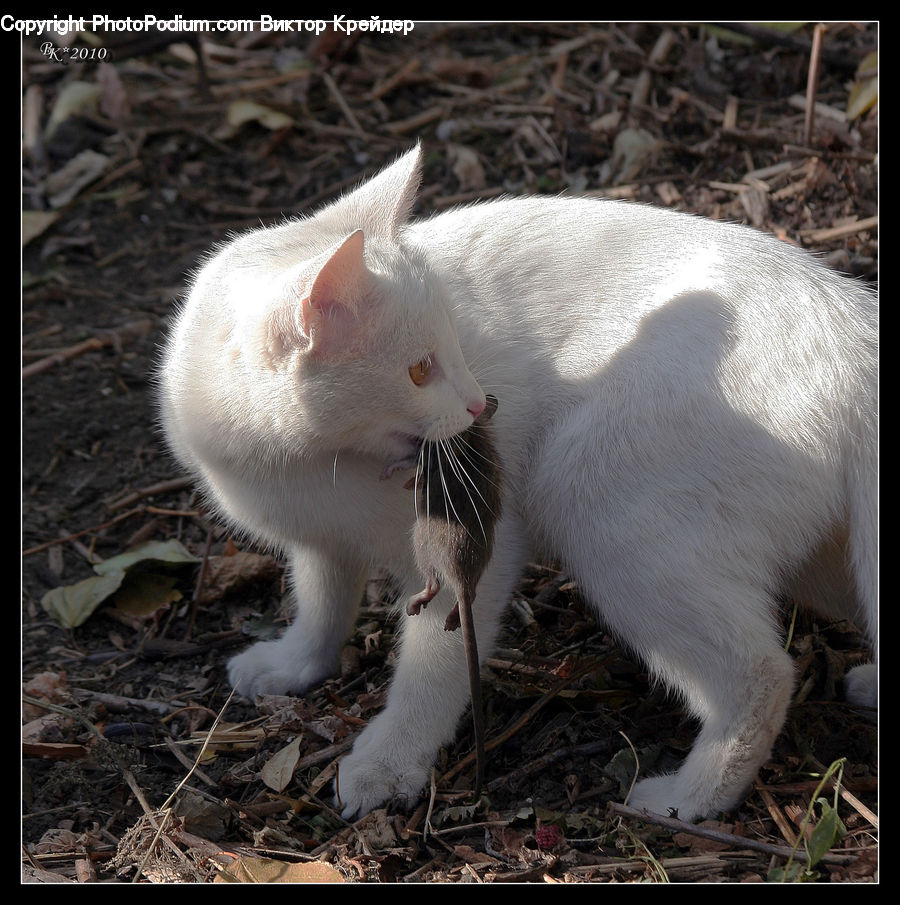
[(424, 597)]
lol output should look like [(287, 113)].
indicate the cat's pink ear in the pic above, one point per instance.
[(334, 313)]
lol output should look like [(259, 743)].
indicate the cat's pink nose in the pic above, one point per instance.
[(476, 408)]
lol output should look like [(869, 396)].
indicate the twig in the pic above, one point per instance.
[(339, 99), (401, 75), (637, 766), (643, 82), (541, 763), (859, 807), (200, 754), (75, 715), (838, 232), (185, 761), (151, 490), (681, 826), (92, 530), (402, 126), (116, 703), (838, 59), (777, 815), (433, 791), (812, 82), (519, 724), (129, 331), (198, 587)]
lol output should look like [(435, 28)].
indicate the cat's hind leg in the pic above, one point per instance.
[(672, 553), (732, 674), (742, 710)]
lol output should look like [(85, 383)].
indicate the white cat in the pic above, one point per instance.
[(687, 421)]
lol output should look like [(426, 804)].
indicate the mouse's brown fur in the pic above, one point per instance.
[(458, 505)]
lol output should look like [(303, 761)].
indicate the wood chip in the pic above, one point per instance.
[(839, 232)]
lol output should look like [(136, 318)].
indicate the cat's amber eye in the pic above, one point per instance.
[(419, 371)]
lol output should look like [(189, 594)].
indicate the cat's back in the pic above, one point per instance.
[(624, 240), (605, 264)]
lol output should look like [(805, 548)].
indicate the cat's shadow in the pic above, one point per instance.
[(694, 337)]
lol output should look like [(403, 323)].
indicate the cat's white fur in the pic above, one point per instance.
[(687, 421)]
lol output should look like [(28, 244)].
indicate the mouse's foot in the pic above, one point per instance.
[(424, 597), (452, 623)]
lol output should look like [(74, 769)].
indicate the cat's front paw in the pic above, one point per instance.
[(274, 667), (373, 774), (661, 795)]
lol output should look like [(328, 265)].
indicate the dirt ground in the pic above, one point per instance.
[(158, 160)]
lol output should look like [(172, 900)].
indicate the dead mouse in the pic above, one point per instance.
[(458, 503)]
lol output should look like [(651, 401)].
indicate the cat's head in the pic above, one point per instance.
[(361, 336)]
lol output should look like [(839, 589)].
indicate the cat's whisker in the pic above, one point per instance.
[(448, 501), (428, 484), (464, 478), (470, 453), (465, 458), (419, 476)]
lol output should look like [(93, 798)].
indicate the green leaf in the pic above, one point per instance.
[(795, 872), (169, 551), (143, 593), (785, 27), (71, 605), (827, 832), (726, 34), (622, 766)]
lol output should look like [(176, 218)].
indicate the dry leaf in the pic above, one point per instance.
[(48, 727), (64, 184), (114, 100), (700, 844), (266, 870), (473, 856), (226, 574), (49, 685), (73, 604), (75, 97), (202, 816), (57, 839), (466, 167), (633, 149), (34, 223), (244, 111), (278, 771), (377, 829), (54, 750), (864, 93)]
